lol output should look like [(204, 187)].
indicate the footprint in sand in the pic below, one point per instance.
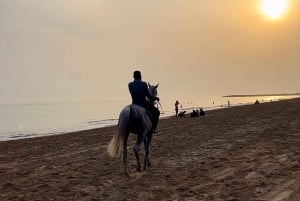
[(281, 192), (223, 174), (137, 175)]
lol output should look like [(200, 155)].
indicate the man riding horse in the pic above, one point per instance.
[(140, 95), (140, 118)]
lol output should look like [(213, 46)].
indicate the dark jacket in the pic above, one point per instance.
[(139, 91)]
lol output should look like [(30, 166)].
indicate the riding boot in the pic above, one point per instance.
[(155, 122), (154, 125)]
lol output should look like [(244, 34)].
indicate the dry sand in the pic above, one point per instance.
[(239, 153)]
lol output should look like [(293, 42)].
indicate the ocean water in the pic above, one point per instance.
[(32, 120)]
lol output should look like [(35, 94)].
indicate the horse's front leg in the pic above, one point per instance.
[(147, 143), (136, 148)]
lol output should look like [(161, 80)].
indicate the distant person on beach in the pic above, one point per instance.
[(139, 93), (256, 102), (176, 108), (195, 113), (202, 113)]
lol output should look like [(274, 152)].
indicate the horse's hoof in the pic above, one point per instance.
[(139, 168)]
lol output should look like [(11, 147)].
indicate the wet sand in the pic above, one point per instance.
[(234, 154)]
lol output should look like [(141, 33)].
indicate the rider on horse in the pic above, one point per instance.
[(140, 95)]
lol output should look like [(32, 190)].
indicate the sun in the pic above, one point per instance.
[(274, 9)]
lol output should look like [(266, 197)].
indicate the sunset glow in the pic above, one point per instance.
[(274, 9), (86, 51)]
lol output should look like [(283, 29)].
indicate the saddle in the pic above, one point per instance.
[(148, 112)]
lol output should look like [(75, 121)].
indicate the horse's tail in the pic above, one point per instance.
[(115, 146)]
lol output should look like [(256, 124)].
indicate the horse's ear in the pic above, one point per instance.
[(156, 85)]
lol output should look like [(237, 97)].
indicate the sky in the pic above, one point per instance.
[(62, 50)]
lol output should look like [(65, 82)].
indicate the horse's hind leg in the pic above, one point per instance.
[(147, 143), (136, 148), (125, 155)]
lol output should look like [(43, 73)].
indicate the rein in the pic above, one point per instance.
[(158, 103)]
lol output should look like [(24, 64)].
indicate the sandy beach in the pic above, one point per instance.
[(234, 154)]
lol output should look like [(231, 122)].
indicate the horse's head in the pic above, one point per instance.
[(152, 89)]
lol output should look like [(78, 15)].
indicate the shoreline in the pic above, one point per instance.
[(20, 136), (96, 124), (43, 122)]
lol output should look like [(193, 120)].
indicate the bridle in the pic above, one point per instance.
[(151, 90)]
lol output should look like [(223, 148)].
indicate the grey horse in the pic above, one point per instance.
[(137, 120)]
